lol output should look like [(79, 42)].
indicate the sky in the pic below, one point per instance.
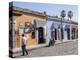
[(51, 9)]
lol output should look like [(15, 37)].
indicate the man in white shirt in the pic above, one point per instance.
[(24, 50)]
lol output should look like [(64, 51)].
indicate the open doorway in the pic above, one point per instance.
[(68, 33), (41, 35), (55, 34)]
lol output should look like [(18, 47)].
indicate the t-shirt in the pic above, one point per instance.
[(24, 40)]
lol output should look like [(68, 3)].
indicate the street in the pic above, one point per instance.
[(66, 48)]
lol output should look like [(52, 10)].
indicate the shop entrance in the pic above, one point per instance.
[(40, 35)]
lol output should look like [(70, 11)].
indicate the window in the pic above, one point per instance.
[(28, 27)]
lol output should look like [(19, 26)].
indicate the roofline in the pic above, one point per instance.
[(37, 13), (59, 20), (14, 8)]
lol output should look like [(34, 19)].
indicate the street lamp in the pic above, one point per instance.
[(63, 14), (70, 15)]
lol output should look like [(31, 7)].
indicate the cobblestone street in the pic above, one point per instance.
[(66, 48)]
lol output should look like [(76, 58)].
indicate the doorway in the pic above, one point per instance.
[(55, 34), (40, 35), (68, 33), (73, 33)]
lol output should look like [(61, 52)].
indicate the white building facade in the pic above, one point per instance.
[(55, 31)]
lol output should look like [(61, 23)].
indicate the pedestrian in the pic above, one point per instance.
[(24, 50)]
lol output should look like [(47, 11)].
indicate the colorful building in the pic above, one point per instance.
[(39, 27), (32, 23), (54, 24)]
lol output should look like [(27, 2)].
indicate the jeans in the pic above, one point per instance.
[(24, 50)]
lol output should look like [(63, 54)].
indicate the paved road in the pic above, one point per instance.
[(67, 48)]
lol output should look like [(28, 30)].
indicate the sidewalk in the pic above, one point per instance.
[(63, 41), (18, 50)]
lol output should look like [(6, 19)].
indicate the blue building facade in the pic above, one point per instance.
[(55, 32)]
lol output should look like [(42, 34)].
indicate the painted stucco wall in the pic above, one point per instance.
[(20, 20)]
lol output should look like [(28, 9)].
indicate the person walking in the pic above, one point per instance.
[(24, 50)]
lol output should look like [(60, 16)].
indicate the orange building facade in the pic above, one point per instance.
[(32, 23)]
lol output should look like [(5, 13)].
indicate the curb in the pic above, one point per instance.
[(64, 42)]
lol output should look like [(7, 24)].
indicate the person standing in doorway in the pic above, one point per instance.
[(24, 50)]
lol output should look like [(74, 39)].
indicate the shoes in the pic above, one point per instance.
[(22, 55), (27, 54)]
